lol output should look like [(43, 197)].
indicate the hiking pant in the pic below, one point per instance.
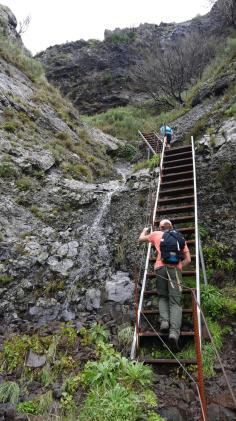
[(170, 292)]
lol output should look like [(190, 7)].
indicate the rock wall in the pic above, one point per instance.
[(95, 74)]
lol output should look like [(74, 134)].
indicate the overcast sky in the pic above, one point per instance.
[(57, 21)]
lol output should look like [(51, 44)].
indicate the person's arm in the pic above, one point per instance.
[(187, 258), (144, 236)]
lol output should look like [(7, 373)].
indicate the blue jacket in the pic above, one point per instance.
[(166, 130)]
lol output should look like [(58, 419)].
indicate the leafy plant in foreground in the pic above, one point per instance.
[(116, 403), (9, 392)]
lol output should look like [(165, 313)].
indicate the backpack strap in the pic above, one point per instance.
[(172, 235)]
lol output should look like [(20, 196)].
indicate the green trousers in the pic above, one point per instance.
[(169, 289)]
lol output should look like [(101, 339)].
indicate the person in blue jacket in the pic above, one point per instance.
[(167, 132)]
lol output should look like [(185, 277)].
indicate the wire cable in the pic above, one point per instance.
[(209, 333), (179, 362)]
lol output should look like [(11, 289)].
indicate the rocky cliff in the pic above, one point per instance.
[(95, 74), (60, 190), (70, 215)]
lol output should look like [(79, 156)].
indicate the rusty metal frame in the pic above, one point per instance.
[(199, 359)]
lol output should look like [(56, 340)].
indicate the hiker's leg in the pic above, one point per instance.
[(175, 295), (162, 290)]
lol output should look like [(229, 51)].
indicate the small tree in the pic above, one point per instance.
[(23, 25), (165, 72)]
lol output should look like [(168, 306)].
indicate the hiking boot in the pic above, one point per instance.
[(164, 325), (174, 338)]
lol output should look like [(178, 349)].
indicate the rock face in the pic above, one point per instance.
[(60, 199), (95, 74), (8, 24)]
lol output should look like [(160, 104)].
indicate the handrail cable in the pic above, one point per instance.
[(196, 239), (181, 365), (133, 348), (208, 331)]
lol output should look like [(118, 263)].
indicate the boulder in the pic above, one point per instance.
[(93, 299), (35, 360), (120, 288)]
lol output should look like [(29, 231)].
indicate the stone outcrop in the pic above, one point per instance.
[(8, 24)]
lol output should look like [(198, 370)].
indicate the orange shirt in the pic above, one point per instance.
[(155, 238)]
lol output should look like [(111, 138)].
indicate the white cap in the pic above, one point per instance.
[(165, 221)]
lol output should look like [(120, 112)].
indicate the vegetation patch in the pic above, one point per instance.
[(13, 53)]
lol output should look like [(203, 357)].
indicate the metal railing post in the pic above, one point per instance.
[(196, 241)]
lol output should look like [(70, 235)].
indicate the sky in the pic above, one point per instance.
[(58, 21)]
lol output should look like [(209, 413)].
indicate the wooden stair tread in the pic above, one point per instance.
[(178, 199), (176, 168), (148, 333), (178, 219), (175, 209), (147, 311), (182, 181), (177, 174), (159, 361), (176, 191), (177, 156), (173, 151), (177, 161), (154, 292)]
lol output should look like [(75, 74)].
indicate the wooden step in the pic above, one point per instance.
[(150, 333), (178, 156), (188, 273), (167, 361), (174, 192), (184, 311), (174, 200), (175, 183), (180, 149), (178, 162), (177, 176), (154, 292), (166, 211), (178, 219), (174, 169)]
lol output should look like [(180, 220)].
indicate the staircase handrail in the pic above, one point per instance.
[(196, 241), (145, 140), (135, 338)]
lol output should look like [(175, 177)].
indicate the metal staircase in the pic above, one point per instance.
[(176, 199)]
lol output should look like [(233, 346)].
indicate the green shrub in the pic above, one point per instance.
[(37, 212), (77, 170), (68, 333), (16, 348), (231, 111), (29, 407), (24, 183), (7, 170), (9, 126), (67, 403), (215, 255), (119, 38), (9, 392), (117, 403), (212, 301), (126, 151), (125, 337), (5, 279), (135, 374), (15, 53)]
